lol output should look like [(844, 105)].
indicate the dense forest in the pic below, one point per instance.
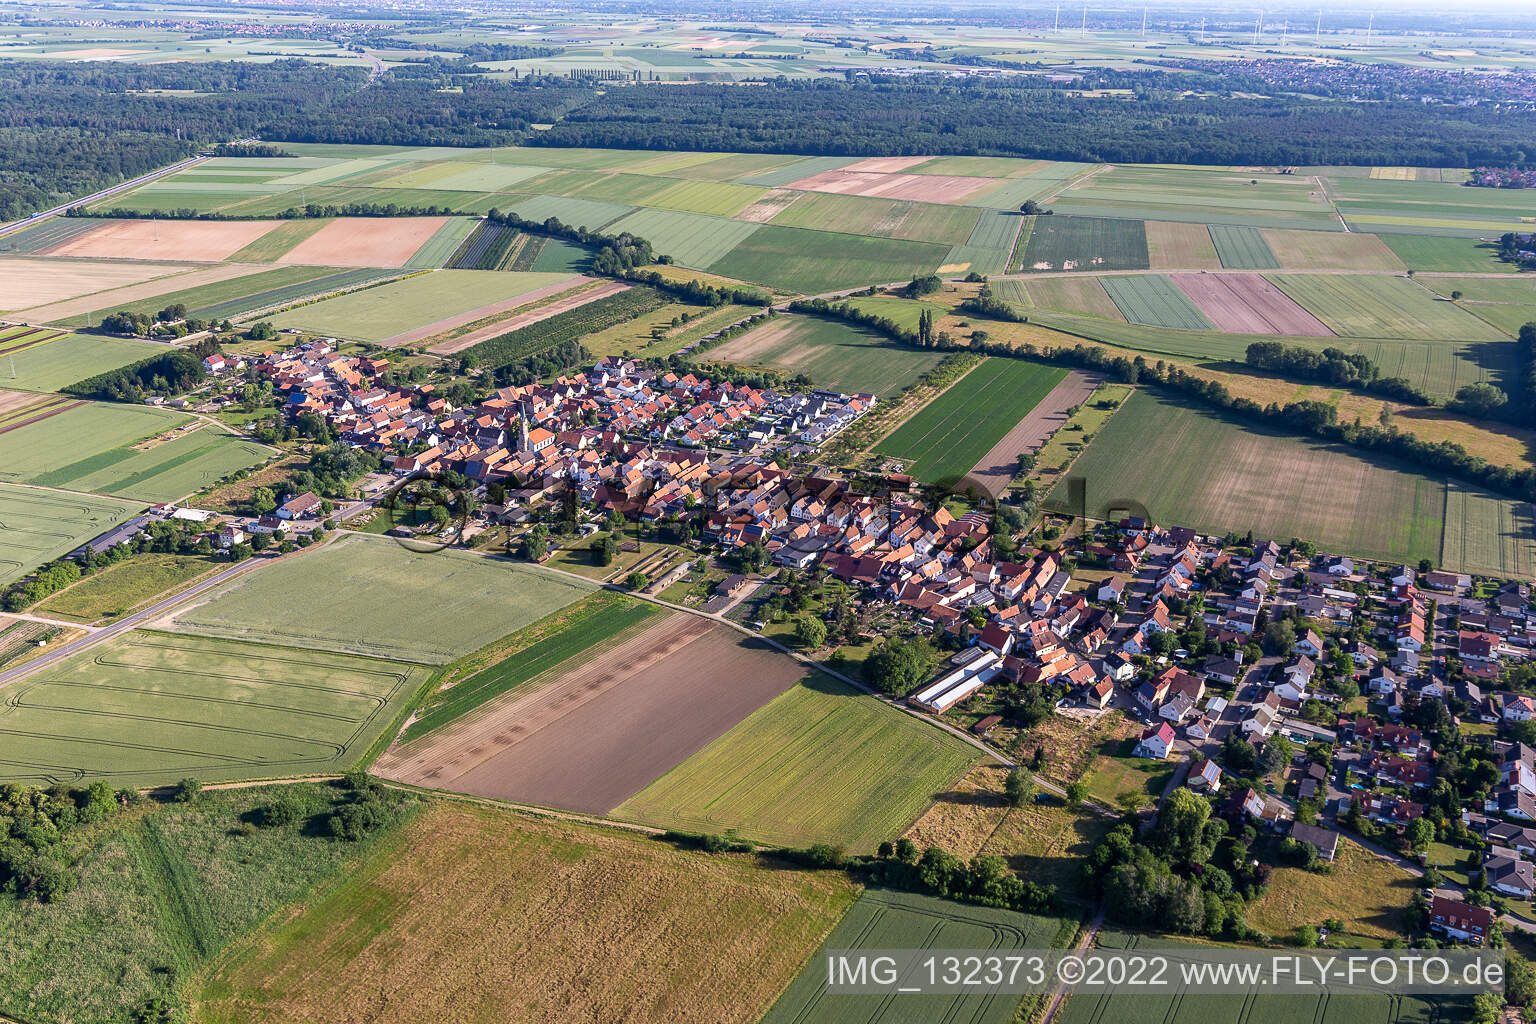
[(898, 117)]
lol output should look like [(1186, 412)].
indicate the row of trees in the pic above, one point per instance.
[(1331, 366)]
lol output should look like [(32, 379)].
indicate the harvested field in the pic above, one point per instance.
[(1001, 464), (1173, 245), (578, 297), (1086, 243), (588, 911), (448, 324), (86, 309), (925, 188), (1153, 301), (957, 430), (599, 730), (1330, 250), (1243, 248), (198, 241), (38, 525), (1248, 304), (26, 283), (832, 353), (769, 206), (151, 708), (820, 763), (418, 306), (366, 242), (371, 596), (887, 164), (1195, 469), (884, 919)]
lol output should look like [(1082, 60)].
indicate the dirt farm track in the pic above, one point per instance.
[(588, 736)]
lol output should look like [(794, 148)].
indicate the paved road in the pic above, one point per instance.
[(138, 618), (105, 193)]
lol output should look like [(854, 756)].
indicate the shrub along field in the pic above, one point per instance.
[(151, 708), (576, 902), (820, 763), (116, 590), (372, 596), (954, 431)]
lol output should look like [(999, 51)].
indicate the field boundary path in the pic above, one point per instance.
[(1060, 995), (999, 466)]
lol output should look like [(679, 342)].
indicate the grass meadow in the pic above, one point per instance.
[(163, 889), (819, 763), (576, 902), (116, 590), (951, 434), (149, 708), (372, 596)]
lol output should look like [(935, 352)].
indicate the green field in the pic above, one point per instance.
[(1086, 243), (439, 249), (1198, 195), (1435, 254), (581, 629), (885, 919), (1249, 1006), (1485, 533), (162, 889), (1191, 468), (169, 471), (689, 238), (580, 213), (887, 218), (1429, 208), (1155, 301), (149, 708), (37, 526), (374, 314), (951, 434), (372, 596), (812, 262), (1382, 307), (1243, 248), (63, 446), (275, 244), (831, 353), (282, 295), (1084, 295), (67, 360), (819, 763)]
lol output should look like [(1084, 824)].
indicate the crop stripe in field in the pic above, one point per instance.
[(37, 413), (30, 342)]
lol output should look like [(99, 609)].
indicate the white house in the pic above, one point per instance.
[(1156, 742)]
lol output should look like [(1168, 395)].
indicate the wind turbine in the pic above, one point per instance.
[(1143, 23), (1084, 29), (1257, 22), (1058, 19), (1317, 38), (1369, 26)]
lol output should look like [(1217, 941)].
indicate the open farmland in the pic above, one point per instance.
[(884, 919), (820, 763), (371, 596), (1243, 248), (39, 238), (151, 708), (439, 297), (1086, 243), (366, 242), (1196, 195), (87, 309), (955, 431), (887, 218), (691, 239), (167, 470), (1485, 533), (831, 353), (994, 470), (1248, 1006), (1330, 250), (576, 902), (1085, 295), (1155, 301), (1248, 304), (1436, 254), (1173, 245), (37, 525), (930, 188), (25, 282), (201, 296), (60, 445), (1382, 307), (203, 241), (66, 359), (589, 315), (1195, 469), (596, 730), (812, 262)]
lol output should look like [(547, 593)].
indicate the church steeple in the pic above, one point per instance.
[(522, 431)]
